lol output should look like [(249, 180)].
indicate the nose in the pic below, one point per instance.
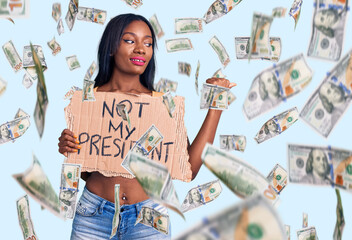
[(139, 48)]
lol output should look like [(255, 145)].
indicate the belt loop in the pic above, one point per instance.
[(138, 208), (101, 207)]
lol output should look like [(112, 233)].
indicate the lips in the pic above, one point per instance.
[(139, 61)]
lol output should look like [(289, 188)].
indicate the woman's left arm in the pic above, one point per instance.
[(207, 132)]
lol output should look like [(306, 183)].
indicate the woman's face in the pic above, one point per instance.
[(4, 132), (319, 162), (135, 49), (195, 195), (325, 18), (331, 92)]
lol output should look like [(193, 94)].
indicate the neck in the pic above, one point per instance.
[(124, 82)]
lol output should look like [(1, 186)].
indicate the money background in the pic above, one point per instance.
[(83, 40)]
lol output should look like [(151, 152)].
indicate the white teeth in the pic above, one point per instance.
[(137, 60)]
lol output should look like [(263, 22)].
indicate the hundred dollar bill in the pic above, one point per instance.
[(116, 218), (144, 145), (295, 10), (178, 44), (88, 91), (231, 97), (219, 74), (70, 174), (340, 219), (91, 15), (24, 218), (188, 25), (277, 125), (123, 112), (42, 97), (219, 8), (184, 68), (3, 85), (279, 12), (320, 166), (72, 62), (274, 85), (328, 30), (54, 46), (201, 195), (214, 97), (14, 129), (330, 100), (12, 56), (90, 71), (156, 26), (37, 185), (305, 220), (56, 12), (288, 232), (70, 93), (165, 85), (242, 49), (134, 3), (196, 77), (242, 179), (152, 218), (60, 27), (28, 62), (259, 44), (220, 50), (169, 103), (71, 14), (278, 178), (253, 218), (14, 9), (156, 181), (233, 142), (308, 233)]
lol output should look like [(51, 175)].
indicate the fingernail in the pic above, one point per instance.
[(79, 146), (77, 141), (75, 136), (75, 150)]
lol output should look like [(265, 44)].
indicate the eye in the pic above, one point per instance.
[(148, 44), (128, 41)]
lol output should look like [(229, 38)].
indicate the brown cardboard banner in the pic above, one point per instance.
[(106, 138)]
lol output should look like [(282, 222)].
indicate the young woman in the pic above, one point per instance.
[(127, 65)]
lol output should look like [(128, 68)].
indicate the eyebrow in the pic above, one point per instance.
[(146, 36)]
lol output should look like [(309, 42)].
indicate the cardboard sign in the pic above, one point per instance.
[(105, 137)]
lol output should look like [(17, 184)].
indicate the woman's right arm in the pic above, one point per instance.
[(68, 143)]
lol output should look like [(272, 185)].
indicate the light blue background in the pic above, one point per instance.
[(318, 202)]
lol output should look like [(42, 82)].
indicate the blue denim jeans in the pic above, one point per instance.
[(93, 220)]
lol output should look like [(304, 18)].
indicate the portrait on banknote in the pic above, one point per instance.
[(268, 86), (216, 10), (193, 199), (4, 132), (331, 96), (147, 216)]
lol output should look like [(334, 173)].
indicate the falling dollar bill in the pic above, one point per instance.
[(37, 185), (16, 128), (71, 14), (123, 112), (88, 91), (169, 103), (278, 178), (243, 179), (60, 27), (288, 232), (152, 218), (24, 218), (340, 219), (14, 9), (12, 56), (91, 15), (144, 145), (308, 233), (233, 142), (320, 166), (28, 61), (214, 97), (72, 62), (70, 174), (178, 44), (219, 74), (295, 10), (188, 25), (116, 218), (274, 85), (165, 85), (156, 181), (219, 8), (42, 97), (56, 12), (134, 3), (90, 71), (220, 50), (330, 100), (54, 46), (305, 220), (196, 77), (184, 68), (277, 125), (27, 81), (231, 97), (242, 49), (279, 12), (328, 30), (156, 26), (3, 85), (201, 195), (70, 93), (253, 218)]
